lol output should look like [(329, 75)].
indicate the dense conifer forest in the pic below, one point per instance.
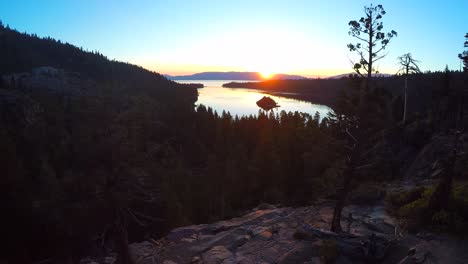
[(117, 153)]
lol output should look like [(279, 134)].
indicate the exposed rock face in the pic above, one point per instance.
[(428, 162), (297, 235), (49, 79), (280, 235)]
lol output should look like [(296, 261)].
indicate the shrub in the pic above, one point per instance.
[(412, 206), (398, 199)]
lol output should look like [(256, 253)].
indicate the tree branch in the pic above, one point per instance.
[(381, 57), (361, 39)]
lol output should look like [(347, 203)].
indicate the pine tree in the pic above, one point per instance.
[(374, 41), (464, 55), (360, 112)]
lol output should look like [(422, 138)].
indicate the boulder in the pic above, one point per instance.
[(216, 255)]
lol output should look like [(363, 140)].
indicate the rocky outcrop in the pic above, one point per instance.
[(50, 80), (296, 235), (428, 162)]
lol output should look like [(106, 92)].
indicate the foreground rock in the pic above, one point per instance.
[(296, 235)]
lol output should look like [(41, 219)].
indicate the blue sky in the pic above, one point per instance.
[(306, 37)]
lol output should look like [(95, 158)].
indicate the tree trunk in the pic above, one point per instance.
[(460, 114), (222, 204), (406, 100), (121, 242), (369, 73), (371, 58), (340, 203), (344, 191)]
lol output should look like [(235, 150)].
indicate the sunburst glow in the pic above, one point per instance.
[(266, 75)]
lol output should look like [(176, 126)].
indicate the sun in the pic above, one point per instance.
[(266, 75)]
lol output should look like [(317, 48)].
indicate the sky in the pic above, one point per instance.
[(306, 37)]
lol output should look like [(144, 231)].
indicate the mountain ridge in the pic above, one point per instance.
[(232, 75)]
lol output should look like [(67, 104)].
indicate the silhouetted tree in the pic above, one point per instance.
[(357, 121), (372, 40), (464, 55), (360, 112), (351, 163), (408, 66)]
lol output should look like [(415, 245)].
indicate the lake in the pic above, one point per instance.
[(241, 102)]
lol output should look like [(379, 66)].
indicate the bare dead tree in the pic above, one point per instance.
[(408, 65)]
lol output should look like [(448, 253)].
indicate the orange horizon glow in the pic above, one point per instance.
[(189, 69), (266, 75), (294, 53)]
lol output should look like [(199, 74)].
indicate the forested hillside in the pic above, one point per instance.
[(98, 153), (80, 136)]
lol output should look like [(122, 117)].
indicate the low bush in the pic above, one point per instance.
[(412, 207)]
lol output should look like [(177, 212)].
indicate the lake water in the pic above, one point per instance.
[(239, 101)]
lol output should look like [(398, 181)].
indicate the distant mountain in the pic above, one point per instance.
[(339, 76), (249, 76)]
